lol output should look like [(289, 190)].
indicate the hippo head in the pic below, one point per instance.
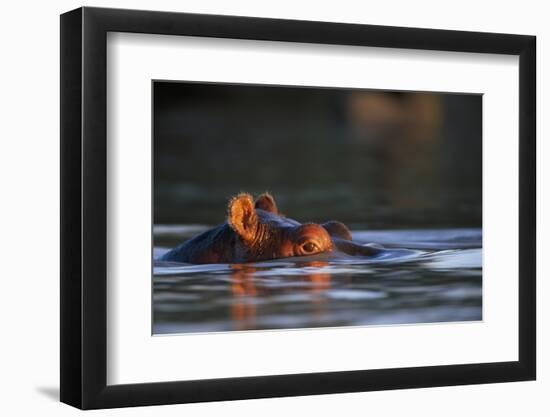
[(263, 233)]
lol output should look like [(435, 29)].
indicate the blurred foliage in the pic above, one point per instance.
[(371, 159)]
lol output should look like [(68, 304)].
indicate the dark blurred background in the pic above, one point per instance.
[(372, 159)]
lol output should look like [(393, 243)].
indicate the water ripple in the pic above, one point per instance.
[(421, 276)]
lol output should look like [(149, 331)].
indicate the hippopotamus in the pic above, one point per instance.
[(255, 230)]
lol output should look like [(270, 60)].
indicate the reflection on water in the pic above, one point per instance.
[(423, 276)]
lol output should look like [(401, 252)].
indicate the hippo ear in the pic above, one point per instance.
[(242, 217), (266, 202)]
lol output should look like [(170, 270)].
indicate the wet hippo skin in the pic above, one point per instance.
[(257, 231)]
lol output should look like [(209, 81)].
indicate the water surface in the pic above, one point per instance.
[(422, 276)]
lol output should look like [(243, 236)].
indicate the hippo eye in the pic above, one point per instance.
[(309, 247)]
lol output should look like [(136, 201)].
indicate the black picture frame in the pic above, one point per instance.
[(83, 207)]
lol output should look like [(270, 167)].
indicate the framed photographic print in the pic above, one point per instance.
[(258, 207)]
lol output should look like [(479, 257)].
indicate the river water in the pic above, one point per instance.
[(422, 276)]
